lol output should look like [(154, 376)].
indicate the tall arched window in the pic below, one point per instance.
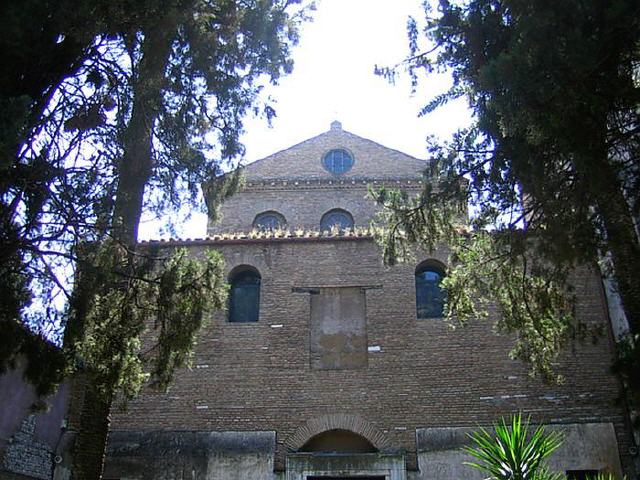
[(270, 220), (430, 296), (336, 217), (244, 295)]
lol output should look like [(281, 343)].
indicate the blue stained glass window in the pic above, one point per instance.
[(339, 218), (244, 296), (337, 161), (430, 296)]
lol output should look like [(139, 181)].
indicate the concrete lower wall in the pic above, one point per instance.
[(300, 466), (440, 455), (587, 446), (250, 456), (190, 455)]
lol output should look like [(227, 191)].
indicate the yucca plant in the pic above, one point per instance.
[(511, 452), (605, 476)]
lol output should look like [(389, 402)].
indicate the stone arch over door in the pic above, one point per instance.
[(353, 423)]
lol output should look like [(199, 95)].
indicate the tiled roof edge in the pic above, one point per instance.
[(278, 236)]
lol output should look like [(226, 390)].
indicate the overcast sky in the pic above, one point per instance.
[(333, 79)]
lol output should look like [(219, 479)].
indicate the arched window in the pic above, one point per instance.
[(430, 296), (337, 217), (269, 221), (244, 295)]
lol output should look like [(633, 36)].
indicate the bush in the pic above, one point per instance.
[(512, 453)]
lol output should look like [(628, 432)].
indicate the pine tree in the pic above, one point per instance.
[(126, 107), (550, 165)]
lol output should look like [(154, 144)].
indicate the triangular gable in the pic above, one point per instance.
[(304, 160)]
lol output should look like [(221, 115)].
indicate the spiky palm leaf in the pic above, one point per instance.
[(511, 453), (605, 476)]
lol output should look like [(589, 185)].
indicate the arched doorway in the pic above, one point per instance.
[(341, 454), (342, 447), (338, 441), (323, 477)]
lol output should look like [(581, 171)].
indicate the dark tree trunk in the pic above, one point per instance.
[(623, 245), (621, 238), (134, 173), (91, 440), (136, 166), (625, 255)]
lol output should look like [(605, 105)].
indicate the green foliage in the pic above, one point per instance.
[(45, 364), (218, 188), (189, 290), (532, 304), (169, 297), (486, 269), (512, 452), (627, 366), (550, 165), (433, 218), (111, 109), (604, 476)]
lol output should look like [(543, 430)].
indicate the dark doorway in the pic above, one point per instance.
[(357, 477), (339, 441), (581, 474)]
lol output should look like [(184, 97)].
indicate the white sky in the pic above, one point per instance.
[(333, 79)]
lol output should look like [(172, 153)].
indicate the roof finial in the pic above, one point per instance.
[(336, 125)]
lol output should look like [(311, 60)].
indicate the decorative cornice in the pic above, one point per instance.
[(328, 183)]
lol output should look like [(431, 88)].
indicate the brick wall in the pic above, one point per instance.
[(294, 182), (304, 204), (304, 160), (420, 373)]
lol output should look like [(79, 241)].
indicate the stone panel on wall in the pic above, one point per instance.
[(337, 329)]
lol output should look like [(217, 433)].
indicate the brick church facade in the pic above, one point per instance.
[(324, 366), (328, 364)]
